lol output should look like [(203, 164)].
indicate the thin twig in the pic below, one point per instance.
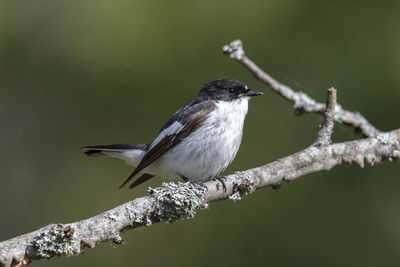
[(325, 132), (302, 102)]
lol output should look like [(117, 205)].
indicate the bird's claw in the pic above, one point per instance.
[(222, 180)]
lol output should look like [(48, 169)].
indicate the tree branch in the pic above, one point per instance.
[(324, 134), (302, 102), (175, 201)]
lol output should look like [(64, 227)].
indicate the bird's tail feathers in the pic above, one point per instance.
[(100, 149)]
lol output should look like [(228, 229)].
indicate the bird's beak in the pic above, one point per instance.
[(254, 93)]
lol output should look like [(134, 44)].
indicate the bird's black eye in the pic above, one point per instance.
[(231, 90)]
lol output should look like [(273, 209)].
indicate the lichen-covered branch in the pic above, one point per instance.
[(168, 203), (172, 202), (175, 201), (302, 102)]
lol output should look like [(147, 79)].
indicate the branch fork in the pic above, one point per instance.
[(302, 102), (176, 201)]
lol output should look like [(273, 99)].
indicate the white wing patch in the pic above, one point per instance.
[(173, 129)]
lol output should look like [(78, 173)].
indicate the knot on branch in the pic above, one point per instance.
[(55, 241), (234, 49), (176, 201), (241, 186)]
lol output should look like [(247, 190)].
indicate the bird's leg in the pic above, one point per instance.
[(222, 179)]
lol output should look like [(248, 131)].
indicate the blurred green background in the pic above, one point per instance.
[(75, 73)]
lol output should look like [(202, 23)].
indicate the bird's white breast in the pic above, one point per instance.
[(206, 152)]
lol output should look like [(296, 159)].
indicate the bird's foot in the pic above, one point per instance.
[(222, 179)]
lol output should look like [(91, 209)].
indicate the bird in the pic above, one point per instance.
[(197, 143)]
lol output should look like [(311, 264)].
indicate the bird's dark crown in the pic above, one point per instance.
[(224, 89)]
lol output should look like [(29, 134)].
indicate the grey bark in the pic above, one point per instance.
[(175, 201), (324, 134), (302, 102)]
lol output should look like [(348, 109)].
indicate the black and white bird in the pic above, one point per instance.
[(197, 143)]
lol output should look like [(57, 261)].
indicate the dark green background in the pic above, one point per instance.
[(75, 73)]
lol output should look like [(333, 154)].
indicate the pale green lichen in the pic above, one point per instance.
[(55, 241), (242, 186), (138, 219), (176, 201), (113, 217)]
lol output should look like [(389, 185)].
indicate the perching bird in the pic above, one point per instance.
[(197, 143)]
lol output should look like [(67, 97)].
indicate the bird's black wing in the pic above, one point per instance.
[(185, 121)]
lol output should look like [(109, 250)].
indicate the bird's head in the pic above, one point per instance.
[(227, 90)]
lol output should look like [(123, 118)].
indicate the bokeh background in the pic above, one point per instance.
[(75, 73)]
